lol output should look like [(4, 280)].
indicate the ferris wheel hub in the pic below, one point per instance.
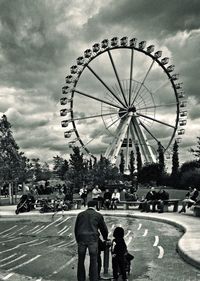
[(123, 111), (132, 109)]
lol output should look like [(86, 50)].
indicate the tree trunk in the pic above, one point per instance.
[(10, 193)]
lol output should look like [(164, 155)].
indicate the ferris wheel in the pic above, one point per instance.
[(121, 95)]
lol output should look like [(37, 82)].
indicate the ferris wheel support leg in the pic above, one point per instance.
[(138, 141), (112, 144), (133, 136), (145, 147), (127, 152), (121, 137)]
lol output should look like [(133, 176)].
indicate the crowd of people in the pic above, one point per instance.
[(108, 199), (31, 197), (155, 200)]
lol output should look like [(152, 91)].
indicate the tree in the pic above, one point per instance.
[(175, 160), (150, 172), (196, 152), (46, 173), (90, 164), (175, 166), (190, 178), (25, 167), (103, 172), (95, 161), (10, 157), (76, 159), (36, 168), (61, 166), (13, 163), (122, 162), (132, 164), (189, 165), (161, 158), (77, 173)]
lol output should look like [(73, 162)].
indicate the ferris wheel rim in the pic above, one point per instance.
[(132, 48)]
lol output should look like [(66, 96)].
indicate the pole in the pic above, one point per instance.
[(106, 257), (16, 192), (0, 193), (106, 260)]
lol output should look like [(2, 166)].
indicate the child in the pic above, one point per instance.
[(119, 252)]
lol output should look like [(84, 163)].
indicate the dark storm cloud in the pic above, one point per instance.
[(40, 139), (30, 44), (155, 18), (194, 114), (185, 49)]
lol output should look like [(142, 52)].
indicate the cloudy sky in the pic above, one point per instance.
[(41, 39)]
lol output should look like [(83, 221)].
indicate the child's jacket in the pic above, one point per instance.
[(119, 247)]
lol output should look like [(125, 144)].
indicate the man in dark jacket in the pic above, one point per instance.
[(87, 227), (150, 199), (162, 196)]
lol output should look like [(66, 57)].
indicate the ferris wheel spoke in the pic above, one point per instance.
[(105, 85), (97, 99), (95, 116), (150, 133), (131, 76), (86, 144), (110, 99), (159, 105), (142, 99), (117, 76), (156, 120), (148, 71)]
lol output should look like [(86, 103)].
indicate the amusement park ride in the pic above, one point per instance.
[(122, 94)]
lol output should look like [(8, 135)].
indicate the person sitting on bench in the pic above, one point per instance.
[(162, 196), (190, 199), (114, 199), (150, 199), (107, 199)]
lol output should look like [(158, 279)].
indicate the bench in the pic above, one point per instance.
[(196, 210), (77, 202), (126, 204), (167, 203), (170, 202)]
